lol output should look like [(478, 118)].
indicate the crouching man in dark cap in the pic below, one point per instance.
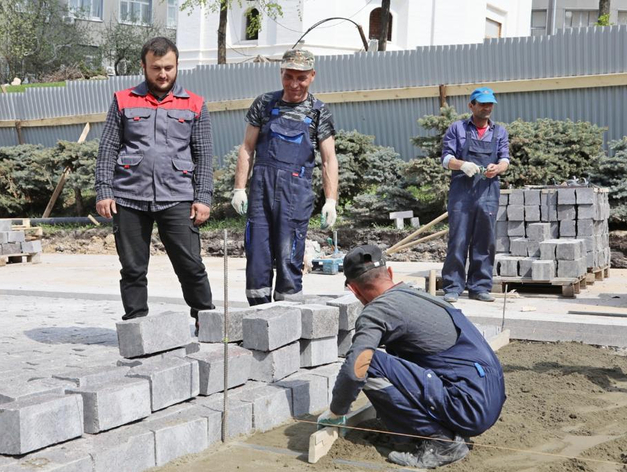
[(437, 378)]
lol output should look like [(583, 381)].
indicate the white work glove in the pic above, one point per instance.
[(240, 201), (469, 168), (329, 215)]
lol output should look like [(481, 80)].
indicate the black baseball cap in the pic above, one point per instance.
[(362, 259)]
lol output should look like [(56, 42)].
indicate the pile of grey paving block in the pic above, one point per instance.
[(548, 233), (14, 243)]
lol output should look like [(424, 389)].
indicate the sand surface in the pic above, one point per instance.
[(566, 411)]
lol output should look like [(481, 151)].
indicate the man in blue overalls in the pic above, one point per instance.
[(284, 130), (437, 379), (477, 151)]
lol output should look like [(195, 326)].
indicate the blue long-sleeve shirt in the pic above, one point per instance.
[(455, 139)]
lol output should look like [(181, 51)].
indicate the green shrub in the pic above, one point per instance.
[(612, 173)]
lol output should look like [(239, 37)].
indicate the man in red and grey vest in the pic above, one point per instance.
[(155, 165)]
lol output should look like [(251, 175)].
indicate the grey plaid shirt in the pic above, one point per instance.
[(202, 154)]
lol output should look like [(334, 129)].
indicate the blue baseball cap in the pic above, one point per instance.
[(483, 95)]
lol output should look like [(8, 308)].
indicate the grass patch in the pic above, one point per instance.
[(23, 87)]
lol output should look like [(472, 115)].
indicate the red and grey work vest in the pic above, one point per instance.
[(155, 160)]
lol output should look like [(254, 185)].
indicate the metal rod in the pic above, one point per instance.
[(504, 303), (226, 340), (335, 250)]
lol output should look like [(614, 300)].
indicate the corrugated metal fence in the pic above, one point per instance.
[(571, 53)]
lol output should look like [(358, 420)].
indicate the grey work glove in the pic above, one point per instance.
[(470, 168), (240, 201), (329, 214)]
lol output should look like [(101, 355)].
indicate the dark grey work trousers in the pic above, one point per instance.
[(133, 229)]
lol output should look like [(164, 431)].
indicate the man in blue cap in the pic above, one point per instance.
[(477, 151)]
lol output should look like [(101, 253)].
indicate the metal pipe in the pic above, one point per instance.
[(63, 220), (226, 341)]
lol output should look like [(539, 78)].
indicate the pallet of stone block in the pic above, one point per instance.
[(22, 224), (20, 258), (569, 286)]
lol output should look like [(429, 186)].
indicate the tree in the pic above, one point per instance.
[(604, 7), (122, 44), (385, 24), (271, 8), (37, 37)]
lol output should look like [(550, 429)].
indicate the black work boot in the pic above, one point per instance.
[(432, 453)]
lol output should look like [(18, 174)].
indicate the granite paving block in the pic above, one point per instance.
[(319, 321), (542, 270), (153, 333), (533, 248), (518, 246), (114, 403), (239, 420), (309, 392), (5, 225), (211, 362), (31, 247), (516, 197), (179, 352), (501, 213), (589, 242), (350, 309), (344, 342), (267, 330), (39, 421), (585, 227), (548, 212), (516, 228), (547, 249), (585, 212), (315, 352), (20, 388), (177, 433), (272, 405), (4, 237), (568, 229), (566, 212), (129, 449), (329, 372), (555, 230), (503, 199), (524, 267), (60, 458), (566, 196), (532, 197), (11, 248), (16, 237), (275, 365), (91, 376), (502, 244), (532, 213), (592, 259), (515, 213), (570, 249), (501, 229), (585, 196), (212, 324), (538, 231), (572, 269), (508, 266), (172, 380)]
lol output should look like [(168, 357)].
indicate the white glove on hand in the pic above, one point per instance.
[(329, 215), (240, 201), (469, 168)]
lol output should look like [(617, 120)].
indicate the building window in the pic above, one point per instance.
[(136, 11), (87, 9), (251, 33), (492, 28), (622, 17), (375, 25), (173, 13), (580, 18), (538, 22)]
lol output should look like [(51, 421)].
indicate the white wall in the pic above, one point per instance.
[(415, 23)]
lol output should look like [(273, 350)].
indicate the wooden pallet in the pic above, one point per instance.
[(570, 286), (19, 258), (597, 274)]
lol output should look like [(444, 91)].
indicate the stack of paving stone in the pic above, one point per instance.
[(548, 233), (13, 243)]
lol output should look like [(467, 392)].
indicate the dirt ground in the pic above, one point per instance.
[(566, 411)]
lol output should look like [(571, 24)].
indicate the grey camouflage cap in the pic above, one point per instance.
[(297, 59)]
